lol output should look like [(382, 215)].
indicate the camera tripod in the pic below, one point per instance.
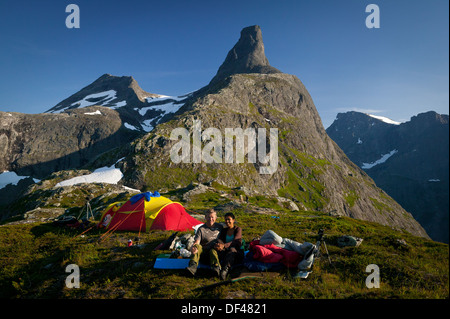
[(303, 274), (321, 242)]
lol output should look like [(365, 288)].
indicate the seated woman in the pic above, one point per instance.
[(229, 245)]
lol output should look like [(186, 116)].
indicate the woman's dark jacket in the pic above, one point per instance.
[(237, 240)]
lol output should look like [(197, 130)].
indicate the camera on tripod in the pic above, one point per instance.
[(320, 235), (321, 242), (313, 253)]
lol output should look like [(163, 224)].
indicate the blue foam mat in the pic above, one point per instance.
[(164, 262)]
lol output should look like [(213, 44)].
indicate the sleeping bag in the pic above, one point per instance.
[(272, 254)]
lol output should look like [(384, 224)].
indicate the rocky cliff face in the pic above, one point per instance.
[(414, 170), (247, 56), (39, 144)]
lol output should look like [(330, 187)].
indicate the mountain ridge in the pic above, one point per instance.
[(416, 171)]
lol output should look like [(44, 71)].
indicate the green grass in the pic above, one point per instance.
[(33, 259), (351, 198), (207, 199)]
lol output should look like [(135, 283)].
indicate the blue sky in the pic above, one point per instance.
[(175, 47)]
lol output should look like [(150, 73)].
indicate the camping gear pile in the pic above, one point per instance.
[(180, 246), (75, 222), (71, 222)]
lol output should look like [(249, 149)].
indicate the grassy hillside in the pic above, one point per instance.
[(33, 260)]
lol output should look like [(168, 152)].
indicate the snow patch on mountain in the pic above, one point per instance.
[(163, 104), (385, 119), (12, 178), (118, 104), (94, 113), (108, 175), (102, 98), (96, 98), (130, 127), (382, 160), (146, 126)]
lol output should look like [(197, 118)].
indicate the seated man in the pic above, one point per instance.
[(204, 241)]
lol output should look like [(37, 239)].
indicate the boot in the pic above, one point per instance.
[(192, 268), (224, 273), (216, 269)]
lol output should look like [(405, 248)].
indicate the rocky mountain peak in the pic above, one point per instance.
[(107, 81), (430, 118), (108, 90), (247, 56)]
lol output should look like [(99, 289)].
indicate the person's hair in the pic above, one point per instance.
[(230, 214), (210, 211)]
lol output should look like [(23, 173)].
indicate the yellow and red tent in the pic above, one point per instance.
[(147, 211)]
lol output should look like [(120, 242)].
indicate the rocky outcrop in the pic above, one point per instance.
[(40, 144), (247, 56)]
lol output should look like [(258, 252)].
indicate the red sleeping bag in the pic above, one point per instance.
[(273, 254)]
